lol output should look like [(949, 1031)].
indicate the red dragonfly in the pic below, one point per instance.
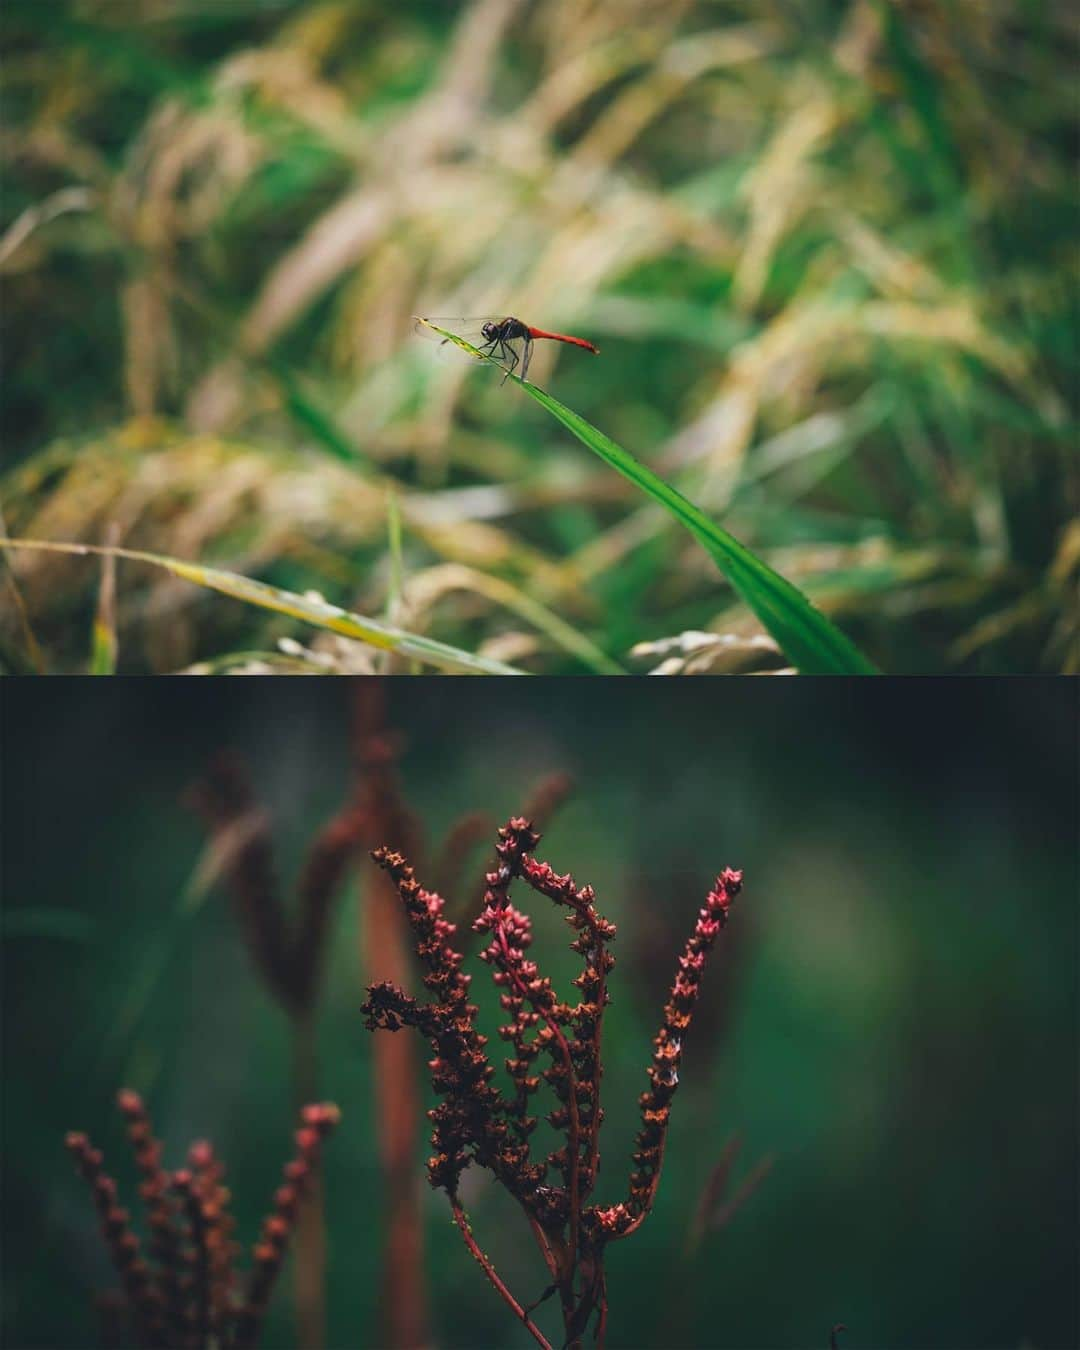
[(507, 341)]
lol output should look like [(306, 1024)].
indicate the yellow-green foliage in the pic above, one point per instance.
[(826, 251)]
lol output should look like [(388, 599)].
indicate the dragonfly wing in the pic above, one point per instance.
[(504, 353), (471, 329)]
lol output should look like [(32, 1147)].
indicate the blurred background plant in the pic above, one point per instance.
[(288, 951), (828, 252), (183, 1288), (894, 1027)]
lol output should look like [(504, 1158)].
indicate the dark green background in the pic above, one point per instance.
[(893, 1017)]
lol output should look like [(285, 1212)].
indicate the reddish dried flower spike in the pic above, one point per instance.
[(187, 1299), (164, 1239), (323, 1118), (471, 1119), (198, 1255), (269, 1252), (122, 1243), (288, 955), (655, 1103), (130, 1104), (223, 1251), (474, 1122), (239, 830)]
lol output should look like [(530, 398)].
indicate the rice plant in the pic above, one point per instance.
[(826, 252)]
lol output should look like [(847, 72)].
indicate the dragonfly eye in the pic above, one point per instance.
[(489, 331)]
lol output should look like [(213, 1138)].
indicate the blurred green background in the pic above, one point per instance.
[(828, 251), (891, 1014)]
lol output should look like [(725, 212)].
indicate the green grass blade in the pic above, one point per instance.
[(811, 643), (102, 651), (541, 618), (103, 644), (318, 613), (396, 552)]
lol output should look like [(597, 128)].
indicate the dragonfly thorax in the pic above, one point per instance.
[(505, 330)]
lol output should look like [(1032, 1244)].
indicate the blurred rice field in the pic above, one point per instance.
[(828, 253)]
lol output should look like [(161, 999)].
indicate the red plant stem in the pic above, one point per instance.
[(550, 1259), (489, 1270), (601, 1326), (555, 1262), (594, 1138), (541, 878), (574, 1133), (385, 956)]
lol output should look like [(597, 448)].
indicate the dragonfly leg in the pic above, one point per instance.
[(508, 352)]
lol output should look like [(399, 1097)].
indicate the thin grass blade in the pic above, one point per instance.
[(811, 643), (316, 612)]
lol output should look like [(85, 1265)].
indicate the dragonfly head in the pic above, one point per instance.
[(490, 331)]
